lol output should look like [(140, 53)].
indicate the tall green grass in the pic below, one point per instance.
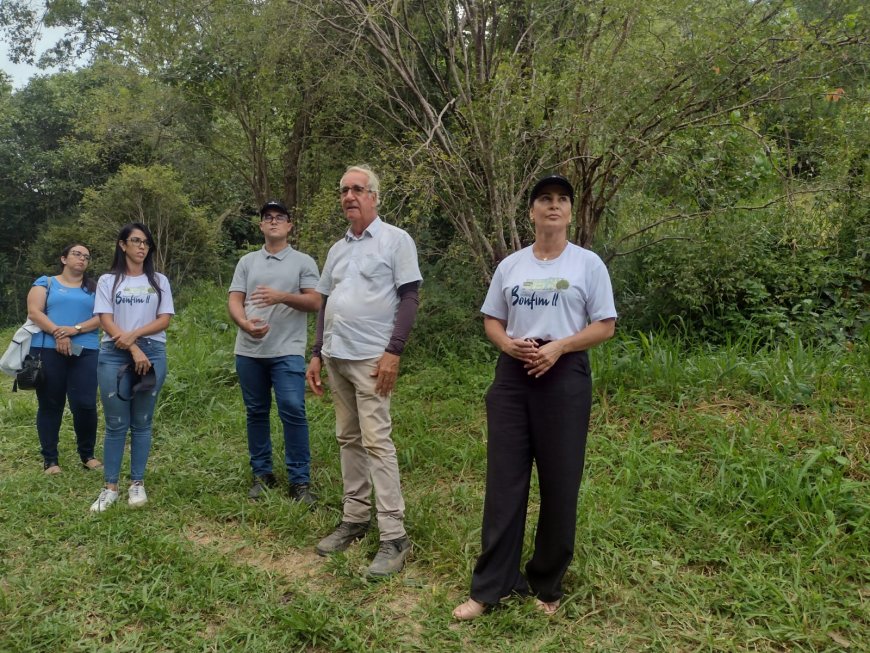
[(724, 507)]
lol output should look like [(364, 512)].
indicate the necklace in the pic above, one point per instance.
[(541, 257)]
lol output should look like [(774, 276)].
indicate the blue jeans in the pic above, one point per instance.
[(257, 378), (134, 415), (73, 378)]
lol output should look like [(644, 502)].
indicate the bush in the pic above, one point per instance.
[(449, 324), (744, 275), (186, 240)]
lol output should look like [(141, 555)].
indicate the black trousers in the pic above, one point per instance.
[(544, 421), (72, 378)]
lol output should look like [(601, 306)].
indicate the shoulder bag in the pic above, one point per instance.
[(32, 373)]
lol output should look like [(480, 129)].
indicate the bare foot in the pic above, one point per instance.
[(52, 469), (93, 463)]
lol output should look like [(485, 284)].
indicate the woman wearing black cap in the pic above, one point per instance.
[(547, 304)]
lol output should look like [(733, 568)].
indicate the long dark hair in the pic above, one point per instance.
[(119, 263), (88, 284)]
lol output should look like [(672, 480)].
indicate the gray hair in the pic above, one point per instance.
[(374, 183)]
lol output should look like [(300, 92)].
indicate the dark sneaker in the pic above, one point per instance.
[(302, 493), (390, 557), (260, 485), (342, 537)]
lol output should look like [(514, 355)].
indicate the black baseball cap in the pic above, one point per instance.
[(143, 383), (551, 180), (276, 205)]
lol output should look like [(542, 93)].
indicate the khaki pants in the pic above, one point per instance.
[(368, 455)]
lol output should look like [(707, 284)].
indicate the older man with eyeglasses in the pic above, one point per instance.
[(370, 288), (271, 292)]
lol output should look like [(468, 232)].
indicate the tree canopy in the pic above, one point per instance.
[(670, 117)]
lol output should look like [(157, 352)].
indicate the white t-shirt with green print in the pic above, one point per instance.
[(553, 299), (134, 302)]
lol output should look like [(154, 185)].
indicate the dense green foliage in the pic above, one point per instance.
[(764, 279), (724, 508), (720, 151)]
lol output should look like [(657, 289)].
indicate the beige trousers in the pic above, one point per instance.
[(368, 455)]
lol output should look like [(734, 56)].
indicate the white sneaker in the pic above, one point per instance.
[(136, 495), (107, 498)]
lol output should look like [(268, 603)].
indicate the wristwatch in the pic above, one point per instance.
[(78, 328)]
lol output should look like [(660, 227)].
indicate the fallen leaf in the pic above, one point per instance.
[(837, 637)]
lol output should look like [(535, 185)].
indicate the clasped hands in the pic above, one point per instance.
[(538, 359), (62, 342)]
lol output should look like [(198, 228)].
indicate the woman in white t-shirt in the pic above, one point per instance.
[(547, 304), (135, 305)]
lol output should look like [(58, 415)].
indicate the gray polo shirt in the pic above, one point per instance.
[(287, 271), (361, 276)]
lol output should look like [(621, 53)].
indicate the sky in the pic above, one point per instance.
[(21, 73)]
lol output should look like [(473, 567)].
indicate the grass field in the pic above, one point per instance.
[(724, 508)]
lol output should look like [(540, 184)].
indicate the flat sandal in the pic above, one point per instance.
[(548, 609), (469, 610)]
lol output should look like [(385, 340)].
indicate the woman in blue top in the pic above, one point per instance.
[(63, 307), (134, 303)]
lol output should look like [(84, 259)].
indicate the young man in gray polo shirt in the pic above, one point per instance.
[(272, 291), (370, 296)]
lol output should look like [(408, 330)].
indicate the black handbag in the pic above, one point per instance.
[(31, 375)]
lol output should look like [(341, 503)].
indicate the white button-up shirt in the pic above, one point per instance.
[(361, 277)]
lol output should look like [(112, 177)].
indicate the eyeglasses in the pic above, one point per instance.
[(280, 219), (138, 242), (78, 254), (357, 190)]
